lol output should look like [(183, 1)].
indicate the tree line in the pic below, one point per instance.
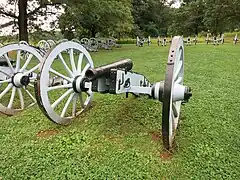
[(127, 18)]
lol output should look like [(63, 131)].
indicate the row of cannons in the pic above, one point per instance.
[(163, 41), (188, 41), (219, 40), (215, 40), (63, 80), (91, 44)]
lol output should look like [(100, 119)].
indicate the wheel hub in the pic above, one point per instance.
[(180, 92), (187, 94), (79, 84), (19, 80)]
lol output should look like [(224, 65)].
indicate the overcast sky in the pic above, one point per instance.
[(7, 31)]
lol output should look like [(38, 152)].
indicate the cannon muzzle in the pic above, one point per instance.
[(94, 73)]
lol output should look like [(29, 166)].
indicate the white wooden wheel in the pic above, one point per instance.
[(62, 40), (85, 41), (24, 54), (93, 43), (61, 102), (44, 45), (51, 43), (23, 42), (16, 80), (174, 78), (76, 40), (111, 42)]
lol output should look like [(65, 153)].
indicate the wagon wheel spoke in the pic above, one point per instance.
[(72, 61), (67, 105), (65, 65), (60, 75), (75, 98), (81, 100), (12, 98), (21, 98), (5, 91), (30, 95), (179, 80), (85, 68), (60, 99), (89, 94), (80, 59), (18, 61), (176, 73), (9, 63), (174, 109), (31, 85), (4, 73), (31, 70), (26, 63), (5, 81), (65, 86), (173, 125)]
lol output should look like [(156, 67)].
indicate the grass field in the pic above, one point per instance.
[(120, 138)]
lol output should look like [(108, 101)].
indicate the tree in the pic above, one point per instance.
[(151, 16), (217, 15), (188, 19), (26, 13), (108, 17)]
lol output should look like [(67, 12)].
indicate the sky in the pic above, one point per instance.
[(46, 26)]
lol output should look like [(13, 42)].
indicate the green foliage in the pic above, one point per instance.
[(109, 18), (215, 16), (151, 16), (129, 18), (188, 19)]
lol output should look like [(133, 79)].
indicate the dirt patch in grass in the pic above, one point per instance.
[(166, 155), (47, 133), (155, 136)]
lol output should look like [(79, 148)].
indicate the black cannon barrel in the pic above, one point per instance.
[(104, 70)]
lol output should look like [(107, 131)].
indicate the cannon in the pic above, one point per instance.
[(189, 41), (63, 102), (94, 73), (235, 39)]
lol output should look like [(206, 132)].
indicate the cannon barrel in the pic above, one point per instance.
[(104, 70)]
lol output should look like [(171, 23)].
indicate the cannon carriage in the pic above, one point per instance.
[(84, 79)]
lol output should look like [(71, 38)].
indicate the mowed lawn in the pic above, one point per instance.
[(120, 138)]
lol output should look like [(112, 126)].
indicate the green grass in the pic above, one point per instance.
[(120, 138)]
